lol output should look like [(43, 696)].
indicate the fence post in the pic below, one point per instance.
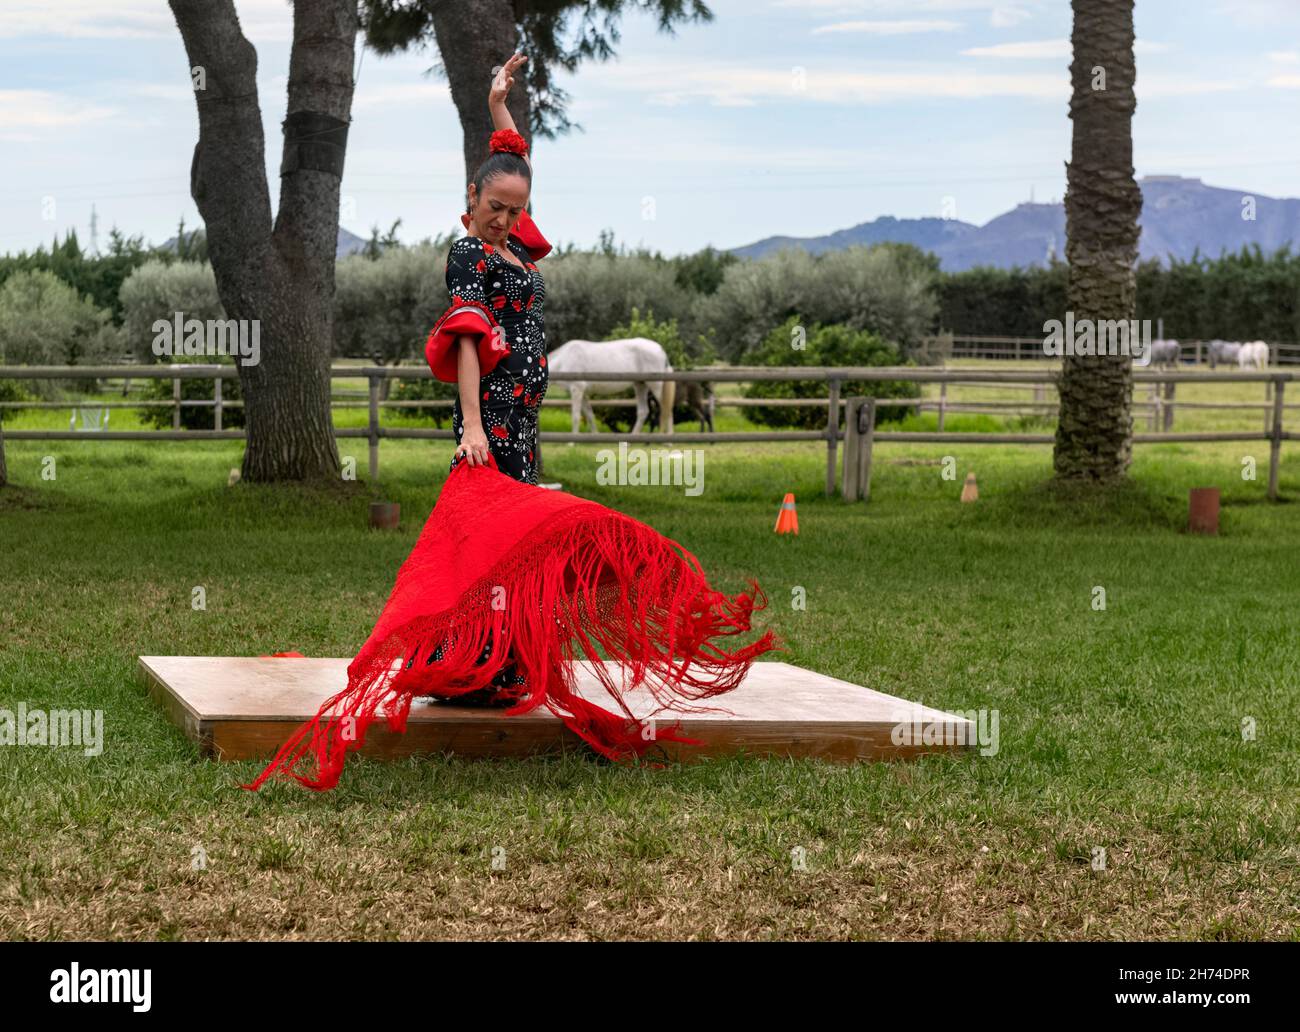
[(1275, 445), (852, 442), (859, 438), (1169, 404), (943, 403), (176, 402), (832, 435), (1268, 396), (216, 398), (374, 428), (866, 424), (1153, 401)]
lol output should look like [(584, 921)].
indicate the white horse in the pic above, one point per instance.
[(1166, 353), (630, 355), (1253, 355), (1224, 351)]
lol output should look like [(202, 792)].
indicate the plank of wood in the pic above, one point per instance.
[(238, 708)]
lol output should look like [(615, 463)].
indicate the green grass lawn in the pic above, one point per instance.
[(1119, 729)]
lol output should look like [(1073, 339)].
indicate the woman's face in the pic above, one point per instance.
[(498, 208)]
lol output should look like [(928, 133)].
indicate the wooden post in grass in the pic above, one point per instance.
[(374, 428), (866, 424), (859, 440), (852, 442), (216, 404), (1275, 443), (1169, 405), (832, 435), (176, 403), (943, 403)]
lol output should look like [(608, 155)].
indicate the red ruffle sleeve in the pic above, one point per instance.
[(467, 315), (464, 318)]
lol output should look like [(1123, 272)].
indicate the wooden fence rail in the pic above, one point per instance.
[(858, 437), (1019, 349)]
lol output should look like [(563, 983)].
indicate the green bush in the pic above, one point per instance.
[(423, 390), (822, 346), (43, 321), (888, 290), (384, 307), (12, 390), (158, 290)]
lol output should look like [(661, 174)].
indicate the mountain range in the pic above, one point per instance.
[(1179, 216), (349, 243)]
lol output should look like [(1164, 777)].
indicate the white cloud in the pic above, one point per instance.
[(1285, 56), (742, 85), (263, 21), (1286, 82), (1049, 48), (1191, 86), (1043, 48), (889, 28), (1265, 13), (907, 6), (27, 114), (398, 94), (1008, 16), (182, 90)]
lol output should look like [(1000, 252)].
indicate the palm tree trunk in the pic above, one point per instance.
[(1094, 437)]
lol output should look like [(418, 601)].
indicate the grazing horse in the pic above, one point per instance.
[(1166, 353), (1224, 351), (1253, 355), (632, 355)]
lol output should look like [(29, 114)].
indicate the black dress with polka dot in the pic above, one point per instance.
[(511, 394)]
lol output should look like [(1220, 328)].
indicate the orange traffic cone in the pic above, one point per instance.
[(787, 520), (970, 491)]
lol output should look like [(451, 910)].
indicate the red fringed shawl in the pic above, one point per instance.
[(542, 573)]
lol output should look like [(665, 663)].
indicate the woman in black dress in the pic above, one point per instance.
[(491, 341), (502, 415)]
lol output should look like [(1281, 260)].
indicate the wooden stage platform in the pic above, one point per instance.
[(240, 708)]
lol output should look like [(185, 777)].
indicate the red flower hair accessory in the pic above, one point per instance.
[(507, 140)]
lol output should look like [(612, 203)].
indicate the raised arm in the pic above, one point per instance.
[(499, 91)]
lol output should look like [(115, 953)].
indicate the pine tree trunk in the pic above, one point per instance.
[(1094, 437), (281, 275), (473, 40)]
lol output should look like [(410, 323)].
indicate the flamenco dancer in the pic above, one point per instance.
[(509, 581)]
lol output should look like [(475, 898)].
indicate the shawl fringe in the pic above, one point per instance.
[(606, 583)]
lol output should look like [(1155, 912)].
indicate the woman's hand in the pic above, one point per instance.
[(505, 79), (473, 445)]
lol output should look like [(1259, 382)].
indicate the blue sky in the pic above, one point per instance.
[(794, 117)]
